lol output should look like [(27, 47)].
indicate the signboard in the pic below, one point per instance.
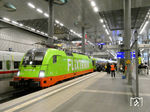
[(120, 55)]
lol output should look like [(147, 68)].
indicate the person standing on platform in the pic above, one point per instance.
[(112, 70)]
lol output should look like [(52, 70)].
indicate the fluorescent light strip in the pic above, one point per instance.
[(14, 22), (32, 29), (110, 38), (104, 26), (39, 10), (144, 27), (95, 9), (93, 4), (61, 24), (37, 31), (20, 24), (31, 5), (57, 21), (101, 20), (6, 19), (45, 14), (107, 31)]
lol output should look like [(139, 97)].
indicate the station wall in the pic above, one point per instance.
[(18, 39)]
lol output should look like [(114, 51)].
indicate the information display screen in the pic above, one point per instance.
[(120, 55)]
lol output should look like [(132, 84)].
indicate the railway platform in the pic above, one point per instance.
[(95, 92)]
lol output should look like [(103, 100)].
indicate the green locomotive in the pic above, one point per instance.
[(44, 67)]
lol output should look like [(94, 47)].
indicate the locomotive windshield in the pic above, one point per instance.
[(34, 57)]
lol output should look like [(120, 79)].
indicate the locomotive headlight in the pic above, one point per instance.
[(18, 73), (42, 74)]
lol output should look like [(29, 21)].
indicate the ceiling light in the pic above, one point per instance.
[(46, 34), (110, 38), (37, 31), (95, 9), (6, 19), (39, 10), (144, 27), (104, 26), (61, 24), (101, 20), (93, 4), (42, 33), (57, 21), (31, 5), (32, 29), (107, 31), (45, 14), (14, 22), (20, 24), (71, 30)]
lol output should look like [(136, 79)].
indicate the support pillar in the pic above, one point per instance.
[(147, 52), (137, 63), (127, 35), (83, 40), (82, 26), (50, 23)]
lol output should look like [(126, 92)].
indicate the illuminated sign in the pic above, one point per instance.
[(120, 55)]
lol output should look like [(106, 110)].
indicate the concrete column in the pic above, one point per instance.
[(137, 63), (82, 26), (147, 51), (127, 35), (50, 23), (83, 40)]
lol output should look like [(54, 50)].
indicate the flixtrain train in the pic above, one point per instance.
[(43, 67), (9, 62)]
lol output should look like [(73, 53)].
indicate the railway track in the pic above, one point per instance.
[(10, 95), (16, 93)]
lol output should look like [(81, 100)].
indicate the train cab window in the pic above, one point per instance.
[(54, 59), (34, 57), (1, 65), (16, 64)]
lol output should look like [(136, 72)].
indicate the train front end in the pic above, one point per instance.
[(32, 70)]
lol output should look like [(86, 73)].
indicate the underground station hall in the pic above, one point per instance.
[(74, 56)]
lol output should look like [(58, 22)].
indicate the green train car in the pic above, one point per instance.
[(45, 67)]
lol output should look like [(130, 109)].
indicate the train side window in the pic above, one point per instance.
[(1, 65), (54, 59), (16, 64), (93, 62)]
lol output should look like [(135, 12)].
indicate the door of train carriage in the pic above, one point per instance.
[(8, 61)]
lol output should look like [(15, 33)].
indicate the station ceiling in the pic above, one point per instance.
[(69, 14)]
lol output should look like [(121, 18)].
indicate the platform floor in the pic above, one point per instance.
[(99, 93)]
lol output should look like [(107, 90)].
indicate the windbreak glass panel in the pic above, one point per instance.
[(34, 57)]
